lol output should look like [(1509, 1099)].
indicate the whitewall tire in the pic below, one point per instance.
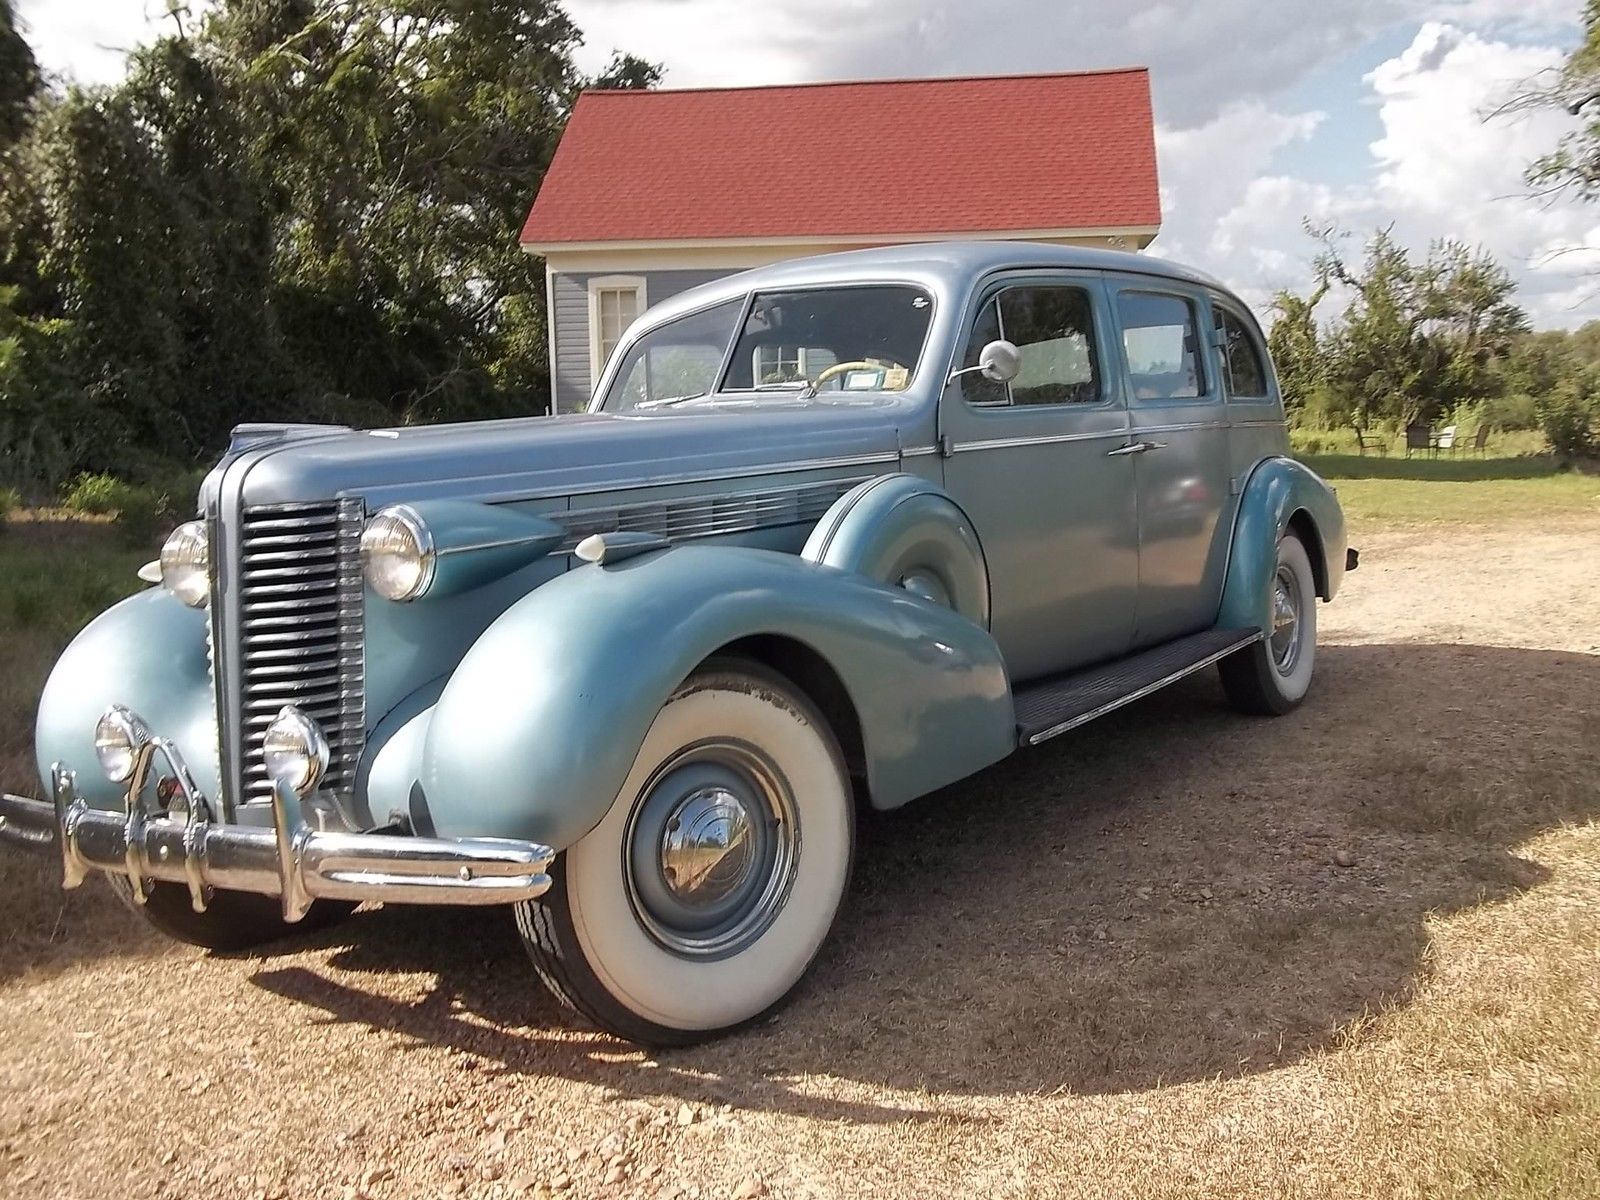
[(706, 891), (1273, 675)]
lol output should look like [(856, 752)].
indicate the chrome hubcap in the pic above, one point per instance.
[(711, 850), (707, 849), (1285, 620)]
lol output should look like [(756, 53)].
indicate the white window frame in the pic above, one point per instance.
[(800, 360), (609, 283)]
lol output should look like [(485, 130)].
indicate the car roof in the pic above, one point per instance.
[(942, 266)]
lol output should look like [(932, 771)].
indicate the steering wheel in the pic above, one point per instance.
[(840, 368)]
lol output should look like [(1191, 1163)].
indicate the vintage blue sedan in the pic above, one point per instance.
[(832, 533)]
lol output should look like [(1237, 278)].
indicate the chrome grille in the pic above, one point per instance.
[(300, 631)]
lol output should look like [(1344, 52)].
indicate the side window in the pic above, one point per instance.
[(675, 361), (1053, 326), (1160, 335), (1247, 374)]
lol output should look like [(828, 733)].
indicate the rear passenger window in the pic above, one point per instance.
[(1247, 374), (1053, 327), (1159, 335)]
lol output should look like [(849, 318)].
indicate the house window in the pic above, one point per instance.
[(615, 301)]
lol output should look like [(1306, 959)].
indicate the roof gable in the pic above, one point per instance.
[(893, 158)]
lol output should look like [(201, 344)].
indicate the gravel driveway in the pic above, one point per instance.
[(1140, 960)]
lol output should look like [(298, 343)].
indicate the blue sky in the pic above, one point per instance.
[(1360, 112)]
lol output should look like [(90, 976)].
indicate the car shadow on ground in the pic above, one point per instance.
[(1173, 893)]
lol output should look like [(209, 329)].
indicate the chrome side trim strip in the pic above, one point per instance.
[(1044, 440), (778, 468), (1139, 694), (501, 544), (1262, 424), (1184, 428)]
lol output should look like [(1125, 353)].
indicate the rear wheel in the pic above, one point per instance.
[(1270, 677), (706, 891), (231, 921)]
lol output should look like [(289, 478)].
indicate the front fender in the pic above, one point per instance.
[(149, 653), (538, 727), (1280, 492)]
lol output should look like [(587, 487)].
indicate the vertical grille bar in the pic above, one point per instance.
[(300, 632)]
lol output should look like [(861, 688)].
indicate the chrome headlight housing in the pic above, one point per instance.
[(186, 564), (118, 736), (397, 555), (295, 751)]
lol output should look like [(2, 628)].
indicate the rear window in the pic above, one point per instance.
[(1247, 373)]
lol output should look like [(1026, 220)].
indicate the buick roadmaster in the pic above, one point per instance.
[(832, 533)]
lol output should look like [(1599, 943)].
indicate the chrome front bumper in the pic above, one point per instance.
[(184, 845)]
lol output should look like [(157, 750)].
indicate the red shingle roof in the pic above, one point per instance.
[(905, 157)]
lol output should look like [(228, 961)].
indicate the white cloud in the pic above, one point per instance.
[(1440, 169)]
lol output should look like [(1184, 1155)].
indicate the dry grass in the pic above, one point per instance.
[(1127, 964)]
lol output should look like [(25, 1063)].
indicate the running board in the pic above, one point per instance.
[(1064, 702)]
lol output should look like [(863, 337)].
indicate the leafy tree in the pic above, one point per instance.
[(1414, 340), (1573, 167), (300, 209), (19, 78), (1296, 347)]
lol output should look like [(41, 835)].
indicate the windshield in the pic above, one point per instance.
[(826, 342)]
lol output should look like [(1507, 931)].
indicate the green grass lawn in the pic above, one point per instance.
[(1482, 491), (55, 576)]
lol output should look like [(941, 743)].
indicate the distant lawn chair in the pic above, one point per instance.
[(1371, 441), (1420, 437), (1446, 440), (1480, 440)]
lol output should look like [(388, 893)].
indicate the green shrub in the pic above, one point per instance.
[(1571, 421), (10, 502), (98, 495), (142, 514), (1517, 410)]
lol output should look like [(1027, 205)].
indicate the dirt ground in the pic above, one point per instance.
[(1178, 952)]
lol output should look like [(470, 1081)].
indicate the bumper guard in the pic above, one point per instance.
[(291, 860)]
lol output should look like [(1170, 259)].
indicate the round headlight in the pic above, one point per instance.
[(184, 564), (296, 753), (397, 553), (117, 738)]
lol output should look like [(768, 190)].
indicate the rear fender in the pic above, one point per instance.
[(537, 728), (1280, 493)]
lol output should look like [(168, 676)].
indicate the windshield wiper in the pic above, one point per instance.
[(668, 401)]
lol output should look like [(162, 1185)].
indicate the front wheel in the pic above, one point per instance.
[(700, 899), (1272, 676)]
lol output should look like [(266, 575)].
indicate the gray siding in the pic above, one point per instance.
[(570, 314)]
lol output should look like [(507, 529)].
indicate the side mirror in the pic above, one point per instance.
[(999, 361)]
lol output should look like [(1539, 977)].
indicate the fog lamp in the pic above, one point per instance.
[(117, 738), (295, 751)]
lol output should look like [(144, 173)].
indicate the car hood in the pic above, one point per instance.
[(496, 461)]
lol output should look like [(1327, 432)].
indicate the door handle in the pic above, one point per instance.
[(1131, 448)]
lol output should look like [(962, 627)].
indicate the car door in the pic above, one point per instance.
[(1032, 462), (1177, 415)]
